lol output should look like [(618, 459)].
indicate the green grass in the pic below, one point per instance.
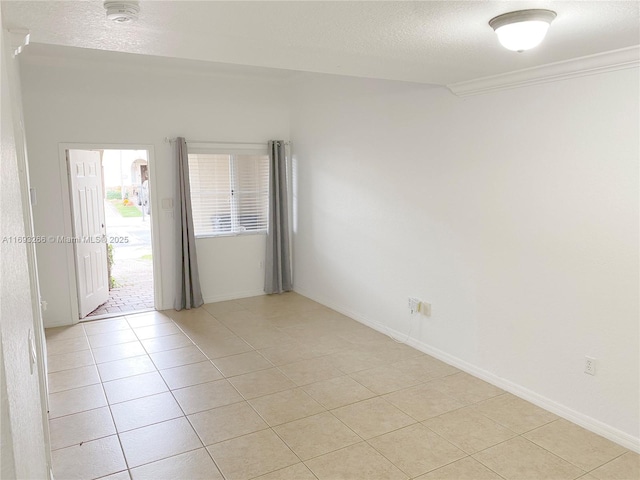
[(126, 211), (114, 194), (146, 257)]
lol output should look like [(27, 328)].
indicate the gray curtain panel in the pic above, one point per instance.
[(277, 262), (188, 292)]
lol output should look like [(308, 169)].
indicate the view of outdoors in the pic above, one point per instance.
[(128, 226)]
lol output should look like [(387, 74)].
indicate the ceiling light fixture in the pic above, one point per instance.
[(122, 11), (522, 30)]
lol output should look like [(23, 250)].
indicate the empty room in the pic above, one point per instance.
[(330, 240)]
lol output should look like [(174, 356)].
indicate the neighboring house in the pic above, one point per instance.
[(124, 171)]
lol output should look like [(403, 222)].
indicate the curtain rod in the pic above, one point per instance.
[(218, 142)]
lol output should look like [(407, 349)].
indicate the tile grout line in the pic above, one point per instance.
[(558, 456), (608, 462), (416, 421), (583, 472), (186, 417), (104, 392), (128, 469), (247, 400), (105, 397), (269, 427)]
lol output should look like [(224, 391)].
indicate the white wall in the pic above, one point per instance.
[(112, 99), (241, 261), (22, 427), (7, 459), (515, 214)]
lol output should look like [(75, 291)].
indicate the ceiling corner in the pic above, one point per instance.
[(577, 67)]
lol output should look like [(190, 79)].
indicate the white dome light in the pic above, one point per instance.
[(122, 11), (522, 30)]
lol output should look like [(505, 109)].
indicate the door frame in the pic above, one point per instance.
[(68, 219)]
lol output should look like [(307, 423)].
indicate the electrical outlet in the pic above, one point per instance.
[(425, 309), (413, 304), (590, 365)]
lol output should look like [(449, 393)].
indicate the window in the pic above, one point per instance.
[(229, 193)]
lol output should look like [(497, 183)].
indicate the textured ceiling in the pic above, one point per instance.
[(437, 42)]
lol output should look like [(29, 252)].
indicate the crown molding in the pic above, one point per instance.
[(18, 38), (577, 67)]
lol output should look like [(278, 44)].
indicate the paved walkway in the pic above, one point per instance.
[(132, 268)]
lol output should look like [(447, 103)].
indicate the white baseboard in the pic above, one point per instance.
[(585, 421), (233, 296), (54, 324)]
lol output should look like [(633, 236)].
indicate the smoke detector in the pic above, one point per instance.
[(122, 11)]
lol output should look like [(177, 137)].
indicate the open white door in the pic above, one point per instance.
[(85, 181)]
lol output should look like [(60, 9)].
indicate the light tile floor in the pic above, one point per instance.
[(280, 387)]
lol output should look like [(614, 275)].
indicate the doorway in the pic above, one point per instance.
[(112, 232)]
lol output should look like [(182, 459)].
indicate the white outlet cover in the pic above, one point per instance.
[(589, 365)]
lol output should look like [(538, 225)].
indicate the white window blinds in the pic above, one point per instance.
[(229, 193)]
